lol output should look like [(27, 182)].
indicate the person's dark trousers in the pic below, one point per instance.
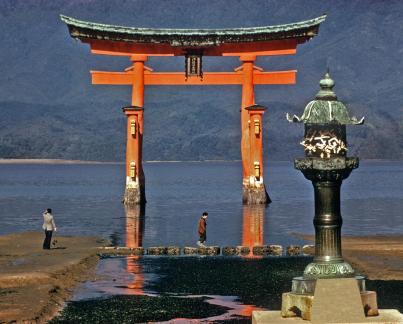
[(48, 238), (203, 237)]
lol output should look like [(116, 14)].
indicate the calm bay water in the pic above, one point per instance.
[(86, 199)]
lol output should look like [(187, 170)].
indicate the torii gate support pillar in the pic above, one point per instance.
[(135, 181), (254, 190)]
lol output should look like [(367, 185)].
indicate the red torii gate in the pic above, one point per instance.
[(246, 43)]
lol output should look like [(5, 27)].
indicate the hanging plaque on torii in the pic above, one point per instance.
[(246, 43)]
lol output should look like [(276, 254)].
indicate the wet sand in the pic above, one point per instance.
[(34, 283), (379, 257)]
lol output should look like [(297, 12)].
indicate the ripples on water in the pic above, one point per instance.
[(86, 199)]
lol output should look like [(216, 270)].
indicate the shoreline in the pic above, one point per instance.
[(63, 161), (52, 161)]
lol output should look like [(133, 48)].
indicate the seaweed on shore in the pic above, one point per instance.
[(258, 282), (6, 291), (389, 293), (136, 309)]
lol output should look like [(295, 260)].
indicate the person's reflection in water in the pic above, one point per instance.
[(135, 224), (252, 229)]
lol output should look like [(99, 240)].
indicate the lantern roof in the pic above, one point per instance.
[(326, 108), (303, 30)]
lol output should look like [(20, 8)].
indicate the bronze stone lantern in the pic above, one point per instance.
[(326, 164)]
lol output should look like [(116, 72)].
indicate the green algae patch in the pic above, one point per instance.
[(136, 309), (179, 282), (389, 293), (256, 281), (6, 292)]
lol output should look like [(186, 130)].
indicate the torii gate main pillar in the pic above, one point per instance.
[(135, 181), (253, 187)]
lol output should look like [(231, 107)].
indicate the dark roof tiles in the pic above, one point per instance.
[(192, 37)]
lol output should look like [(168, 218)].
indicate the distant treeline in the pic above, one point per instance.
[(37, 131)]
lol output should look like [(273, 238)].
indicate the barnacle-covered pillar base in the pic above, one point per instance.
[(255, 195), (134, 193)]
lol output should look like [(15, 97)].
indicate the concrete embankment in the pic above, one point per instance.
[(34, 282)]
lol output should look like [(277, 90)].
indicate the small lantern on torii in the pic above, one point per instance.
[(193, 64)]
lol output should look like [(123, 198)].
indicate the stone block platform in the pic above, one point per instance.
[(259, 250)]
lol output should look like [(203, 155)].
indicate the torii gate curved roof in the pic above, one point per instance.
[(211, 41)]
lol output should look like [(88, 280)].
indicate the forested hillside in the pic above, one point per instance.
[(49, 109)]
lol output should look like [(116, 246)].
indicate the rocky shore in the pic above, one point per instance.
[(34, 283)]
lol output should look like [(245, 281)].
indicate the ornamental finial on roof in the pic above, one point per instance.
[(326, 88)]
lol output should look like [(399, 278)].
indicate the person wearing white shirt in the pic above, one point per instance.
[(49, 226)]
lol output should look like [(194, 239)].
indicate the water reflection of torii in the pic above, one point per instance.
[(253, 226), (135, 222), (252, 235)]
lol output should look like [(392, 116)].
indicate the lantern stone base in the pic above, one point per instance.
[(295, 305), (298, 302), (134, 193), (253, 195), (386, 316)]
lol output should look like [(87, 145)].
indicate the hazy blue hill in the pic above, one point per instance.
[(48, 108)]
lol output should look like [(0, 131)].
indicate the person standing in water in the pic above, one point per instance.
[(49, 226), (201, 229)]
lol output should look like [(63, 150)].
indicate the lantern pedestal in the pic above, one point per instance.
[(327, 176)]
